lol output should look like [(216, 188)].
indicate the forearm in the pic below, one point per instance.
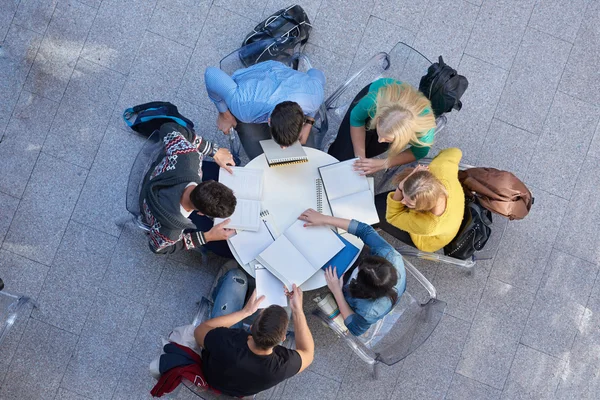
[(343, 305), (303, 336), (337, 222), (403, 158), (226, 321), (358, 136), (398, 195), (304, 133)]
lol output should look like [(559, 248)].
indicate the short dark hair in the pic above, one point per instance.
[(213, 199), (376, 278), (270, 327), (287, 120)]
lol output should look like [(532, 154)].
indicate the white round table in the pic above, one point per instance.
[(287, 192)]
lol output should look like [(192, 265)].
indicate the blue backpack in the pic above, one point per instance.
[(147, 118)]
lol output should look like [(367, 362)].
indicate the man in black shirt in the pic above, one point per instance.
[(239, 363)]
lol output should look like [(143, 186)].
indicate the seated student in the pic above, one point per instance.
[(427, 207), (370, 288), (180, 195), (240, 363), (266, 100), (387, 114)]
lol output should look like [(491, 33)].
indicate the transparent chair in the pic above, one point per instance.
[(403, 62), (400, 332), (143, 161), (293, 58), (11, 306)]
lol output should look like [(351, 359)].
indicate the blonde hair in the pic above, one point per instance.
[(422, 187), (400, 113)]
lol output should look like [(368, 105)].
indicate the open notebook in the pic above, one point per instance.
[(300, 252), (247, 185), (348, 193), (247, 245), (276, 156), (269, 286)]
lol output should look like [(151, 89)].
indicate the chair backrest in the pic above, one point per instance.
[(144, 159), (10, 307), (232, 61)]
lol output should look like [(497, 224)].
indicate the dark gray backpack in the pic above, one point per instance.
[(444, 87)]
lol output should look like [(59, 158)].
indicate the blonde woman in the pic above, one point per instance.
[(427, 207), (387, 114)]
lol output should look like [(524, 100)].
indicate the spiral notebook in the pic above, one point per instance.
[(276, 156), (247, 185)]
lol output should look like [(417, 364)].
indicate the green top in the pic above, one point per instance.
[(367, 107)]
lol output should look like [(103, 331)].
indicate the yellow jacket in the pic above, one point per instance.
[(427, 231)]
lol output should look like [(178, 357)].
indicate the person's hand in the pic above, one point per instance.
[(368, 166), (252, 303), (226, 121), (334, 283), (313, 218), (219, 232), (295, 297), (418, 168), (224, 159)]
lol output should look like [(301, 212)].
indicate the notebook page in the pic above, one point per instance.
[(340, 179), (318, 244), (246, 216), (268, 285), (358, 206), (286, 262), (249, 244), (246, 183)]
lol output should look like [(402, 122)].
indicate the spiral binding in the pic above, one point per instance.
[(264, 214), (319, 185), (281, 162)]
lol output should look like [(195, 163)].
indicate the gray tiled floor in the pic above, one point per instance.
[(525, 325)]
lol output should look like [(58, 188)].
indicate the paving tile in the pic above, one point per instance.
[(101, 354), (21, 275), (578, 231), (179, 20), (18, 52), (23, 140), (134, 270), (594, 150), (11, 341), (35, 14), (115, 37), (135, 381), (569, 128), (465, 388), (35, 232), (63, 394), (498, 31), (533, 80), (84, 113), (102, 200), (340, 25), (586, 347), (252, 9), (156, 74), (503, 148), (579, 381), (60, 49), (9, 8), (310, 386), (358, 382), (423, 379), (533, 375), (408, 14), (558, 18), (223, 33), (455, 21), (334, 66), (467, 128), (495, 333), (578, 78), (69, 291), (311, 7), (569, 277), (521, 261), (8, 205), (39, 363), (552, 324)]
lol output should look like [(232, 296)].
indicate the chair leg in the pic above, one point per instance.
[(376, 371)]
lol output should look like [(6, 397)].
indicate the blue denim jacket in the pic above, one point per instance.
[(252, 93), (367, 311)]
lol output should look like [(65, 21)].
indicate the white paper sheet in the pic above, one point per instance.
[(248, 244), (318, 244), (246, 216), (286, 262), (358, 206), (341, 180), (268, 285), (246, 183)]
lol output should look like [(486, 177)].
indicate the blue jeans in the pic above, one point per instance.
[(229, 294)]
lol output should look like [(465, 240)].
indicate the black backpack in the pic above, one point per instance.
[(473, 234), (277, 37), (150, 116), (443, 87)]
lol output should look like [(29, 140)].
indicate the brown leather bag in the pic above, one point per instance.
[(498, 191)]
